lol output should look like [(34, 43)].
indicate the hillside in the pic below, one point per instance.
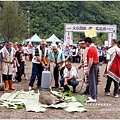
[(48, 17)]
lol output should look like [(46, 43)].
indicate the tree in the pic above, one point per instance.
[(48, 17), (12, 21)]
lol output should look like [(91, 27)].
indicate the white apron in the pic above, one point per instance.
[(7, 67)]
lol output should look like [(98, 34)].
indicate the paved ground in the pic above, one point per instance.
[(106, 107)]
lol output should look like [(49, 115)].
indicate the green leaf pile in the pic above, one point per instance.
[(81, 99), (78, 97), (30, 101), (67, 94)]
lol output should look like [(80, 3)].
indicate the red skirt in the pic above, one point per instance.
[(114, 71)]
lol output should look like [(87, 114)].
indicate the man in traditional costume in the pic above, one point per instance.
[(38, 64), (113, 69), (8, 53), (83, 63), (58, 59)]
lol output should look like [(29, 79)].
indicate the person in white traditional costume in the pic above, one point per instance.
[(58, 58), (8, 53)]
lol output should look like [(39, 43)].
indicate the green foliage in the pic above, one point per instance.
[(12, 21), (68, 94), (81, 99), (20, 106), (78, 97), (49, 17)]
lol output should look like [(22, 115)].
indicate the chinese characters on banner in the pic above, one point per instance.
[(83, 27), (96, 28)]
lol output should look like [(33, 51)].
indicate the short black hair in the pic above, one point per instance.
[(118, 42), (67, 61), (114, 41), (20, 45), (88, 39)]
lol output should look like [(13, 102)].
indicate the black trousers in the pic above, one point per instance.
[(108, 85), (41, 68), (74, 59), (56, 74), (20, 72), (78, 59), (6, 77)]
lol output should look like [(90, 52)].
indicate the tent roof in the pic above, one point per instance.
[(2, 41), (34, 38), (53, 38)]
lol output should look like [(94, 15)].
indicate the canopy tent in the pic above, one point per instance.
[(34, 39), (2, 41), (53, 39)]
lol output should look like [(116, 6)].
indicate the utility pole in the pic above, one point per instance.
[(28, 14)]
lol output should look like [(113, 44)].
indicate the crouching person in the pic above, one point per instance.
[(70, 75)]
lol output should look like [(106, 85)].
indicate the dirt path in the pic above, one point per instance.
[(106, 107)]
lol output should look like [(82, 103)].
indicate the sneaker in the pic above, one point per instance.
[(91, 100), (61, 88), (116, 96), (26, 78), (13, 79), (107, 93), (29, 88)]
